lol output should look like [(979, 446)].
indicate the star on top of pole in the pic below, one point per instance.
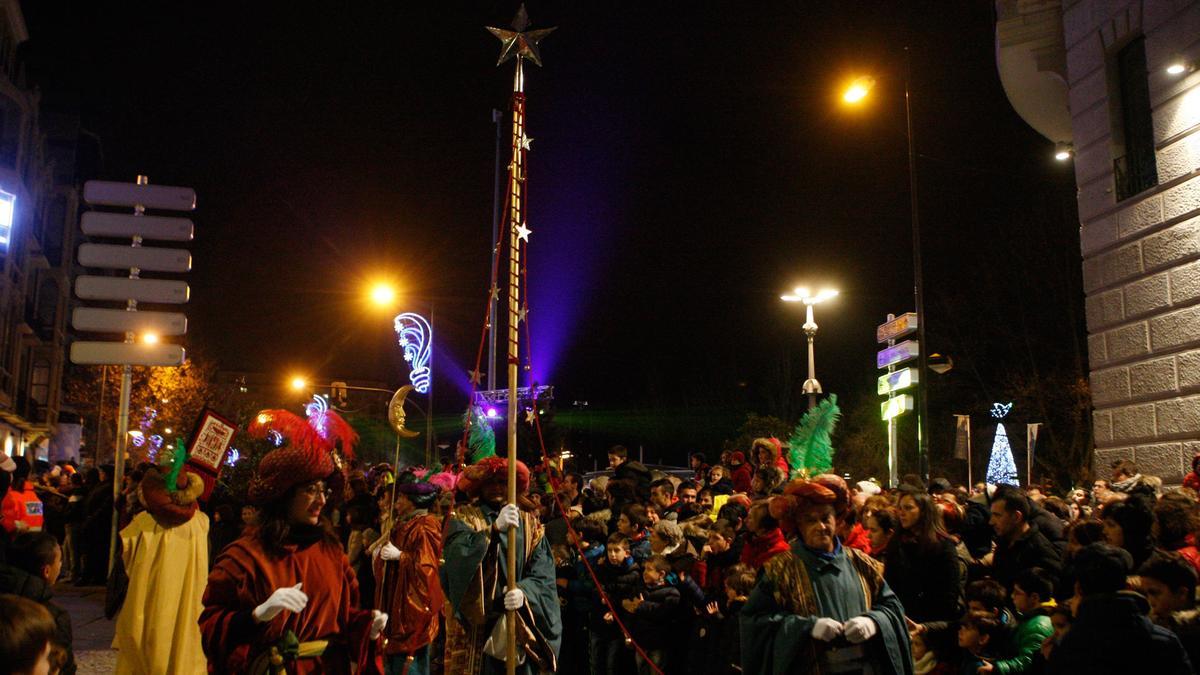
[(518, 41)]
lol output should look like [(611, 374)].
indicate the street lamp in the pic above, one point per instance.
[(801, 294), (383, 295), (299, 383), (854, 94)]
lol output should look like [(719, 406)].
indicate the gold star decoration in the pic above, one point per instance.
[(521, 314), (518, 41), (526, 142), (523, 233), (530, 416), (476, 376)]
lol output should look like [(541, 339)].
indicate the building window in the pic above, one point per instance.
[(1134, 166)]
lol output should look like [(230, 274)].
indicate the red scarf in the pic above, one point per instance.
[(758, 550)]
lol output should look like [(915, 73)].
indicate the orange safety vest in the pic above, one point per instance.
[(22, 506)]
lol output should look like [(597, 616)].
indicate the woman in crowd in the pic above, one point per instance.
[(922, 565)]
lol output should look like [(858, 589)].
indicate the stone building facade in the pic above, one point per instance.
[(1132, 93)]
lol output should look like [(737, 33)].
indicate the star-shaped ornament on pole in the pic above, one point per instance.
[(523, 233), (518, 41), (476, 376)]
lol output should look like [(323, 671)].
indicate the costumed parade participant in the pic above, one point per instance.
[(165, 552), (821, 607), (283, 597), (406, 567), (474, 577)]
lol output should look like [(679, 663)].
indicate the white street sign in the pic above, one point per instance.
[(145, 258), (162, 291), (111, 193), (905, 351), (895, 407), (126, 225), (897, 381), (905, 324), (95, 320), (126, 353)]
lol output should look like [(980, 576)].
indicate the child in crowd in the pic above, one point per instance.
[(738, 583), (653, 614), (633, 523), (925, 660), (619, 575), (1060, 619), (26, 631), (1169, 584), (1032, 598), (978, 634)]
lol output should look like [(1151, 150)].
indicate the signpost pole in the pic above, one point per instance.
[(123, 412), (893, 432)]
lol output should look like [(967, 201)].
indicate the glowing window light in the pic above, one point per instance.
[(8, 204), (416, 339)]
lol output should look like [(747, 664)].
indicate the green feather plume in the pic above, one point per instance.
[(811, 450), (481, 440), (178, 459)]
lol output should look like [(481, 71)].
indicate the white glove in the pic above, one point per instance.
[(514, 599), (378, 623), (389, 552), (509, 517), (826, 629), (290, 598), (859, 629)]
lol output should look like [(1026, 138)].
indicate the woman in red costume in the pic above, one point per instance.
[(283, 597)]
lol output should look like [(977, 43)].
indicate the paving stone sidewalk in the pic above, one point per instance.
[(93, 633)]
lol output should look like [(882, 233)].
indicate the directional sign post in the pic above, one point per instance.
[(896, 380), (132, 289)]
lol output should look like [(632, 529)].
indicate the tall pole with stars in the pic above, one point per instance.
[(521, 44)]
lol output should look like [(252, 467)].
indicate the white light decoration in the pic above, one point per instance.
[(318, 415), (8, 203), (416, 339), (232, 458), (1002, 470)]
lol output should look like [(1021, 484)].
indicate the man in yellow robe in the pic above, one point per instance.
[(165, 551)]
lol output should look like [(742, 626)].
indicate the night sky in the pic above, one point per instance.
[(691, 162)]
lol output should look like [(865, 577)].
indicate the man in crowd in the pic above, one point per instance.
[(629, 470), (474, 577), (1019, 544), (820, 606), (406, 570), (1110, 632)]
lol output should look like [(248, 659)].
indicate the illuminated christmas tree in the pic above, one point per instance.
[(1001, 467)]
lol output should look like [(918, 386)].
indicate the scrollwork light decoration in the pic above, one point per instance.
[(416, 339), (318, 414)]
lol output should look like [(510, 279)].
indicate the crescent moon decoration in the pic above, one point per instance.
[(416, 339), (396, 415)]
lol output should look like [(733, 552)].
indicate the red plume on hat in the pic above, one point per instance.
[(306, 451), (491, 469)]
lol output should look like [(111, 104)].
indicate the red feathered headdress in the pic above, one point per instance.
[(491, 469), (306, 451)]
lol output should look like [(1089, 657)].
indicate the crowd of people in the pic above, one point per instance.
[(741, 566)]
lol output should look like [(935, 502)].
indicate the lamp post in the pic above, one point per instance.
[(854, 94), (811, 386)]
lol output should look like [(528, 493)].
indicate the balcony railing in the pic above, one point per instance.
[(1134, 173)]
